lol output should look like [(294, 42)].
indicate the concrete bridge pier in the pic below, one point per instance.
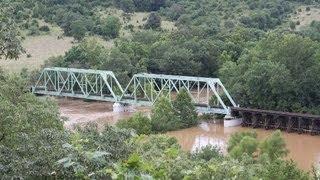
[(118, 107), (230, 121)]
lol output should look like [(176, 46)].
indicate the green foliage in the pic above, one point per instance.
[(248, 145), (44, 28), (163, 117), (236, 138), (208, 152), (22, 112), (139, 122), (78, 29), (110, 27), (274, 72), (91, 153), (140, 5), (185, 110), (292, 25), (313, 31), (282, 170), (10, 41), (160, 157), (274, 146), (31, 131), (154, 21), (87, 54)]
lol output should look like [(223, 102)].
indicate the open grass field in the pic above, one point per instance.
[(137, 20), (306, 17), (40, 48)]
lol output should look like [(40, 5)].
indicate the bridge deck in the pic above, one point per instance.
[(269, 119)]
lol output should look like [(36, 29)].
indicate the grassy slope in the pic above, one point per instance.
[(306, 17), (40, 48), (47, 45)]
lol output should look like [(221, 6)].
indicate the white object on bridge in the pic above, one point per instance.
[(231, 122), (118, 107)]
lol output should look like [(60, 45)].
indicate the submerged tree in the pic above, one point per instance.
[(163, 117), (185, 109)]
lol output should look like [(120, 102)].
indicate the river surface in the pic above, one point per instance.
[(304, 149)]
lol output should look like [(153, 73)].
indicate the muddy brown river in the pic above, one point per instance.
[(303, 149)]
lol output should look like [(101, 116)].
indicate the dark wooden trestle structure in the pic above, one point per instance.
[(290, 122)]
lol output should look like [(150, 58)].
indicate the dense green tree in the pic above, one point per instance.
[(185, 109), (126, 5), (110, 27), (163, 117), (274, 146), (78, 29), (248, 145), (91, 153), (139, 122), (276, 74), (10, 42), (154, 21), (87, 54), (119, 63), (236, 138), (31, 131)]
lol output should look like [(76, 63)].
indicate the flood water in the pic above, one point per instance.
[(304, 149)]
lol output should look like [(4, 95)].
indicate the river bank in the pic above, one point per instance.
[(303, 148)]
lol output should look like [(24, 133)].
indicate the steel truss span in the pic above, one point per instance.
[(208, 94), (78, 83)]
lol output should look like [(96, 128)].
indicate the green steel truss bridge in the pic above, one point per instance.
[(208, 94)]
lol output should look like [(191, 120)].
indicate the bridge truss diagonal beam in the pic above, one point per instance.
[(79, 83), (208, 94)]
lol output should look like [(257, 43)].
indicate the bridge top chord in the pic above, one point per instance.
[(177, 77), (75, 70)]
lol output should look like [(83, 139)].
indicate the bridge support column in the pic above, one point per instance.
[(230, 121), (118, 107)]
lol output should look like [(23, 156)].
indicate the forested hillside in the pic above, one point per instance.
[(253, 46), (267, 53)]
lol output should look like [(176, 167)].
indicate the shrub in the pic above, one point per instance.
[(140, 123), (44, 28), (208, 152), (153, 22), (110, 27), (78, 29), (292, 25), (163, 117), (33, 31), (274, 146)]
